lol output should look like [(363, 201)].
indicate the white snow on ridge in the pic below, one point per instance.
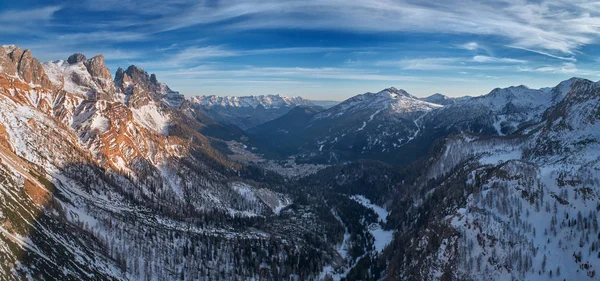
[(520, 96), (343, 251), (100, 123), (363, 126), (371, 118), (54, 70), (376, 112)]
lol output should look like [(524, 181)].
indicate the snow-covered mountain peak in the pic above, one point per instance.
[(577, 111), (375, 106), (438, 96), (246, 112), (509, 92), (393, 93), (398, 100)]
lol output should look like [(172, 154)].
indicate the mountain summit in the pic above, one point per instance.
[(138, 88)]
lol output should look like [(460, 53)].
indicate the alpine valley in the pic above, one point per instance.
[(120, 177)]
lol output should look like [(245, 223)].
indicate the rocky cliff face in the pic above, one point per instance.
[(101, 76), (89, 78), (25, 66), (139, 88), (7, 65)]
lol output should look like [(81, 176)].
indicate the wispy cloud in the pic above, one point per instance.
[(426, 63), (199, 53), (26, 21), (378, 40), (471, 46), (477, 62), (571, 59), (568, 68), (194, 55), (100, 36), (552, 26), (24, 16), (488, 59), (207, 72)]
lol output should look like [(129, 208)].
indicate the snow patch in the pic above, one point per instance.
[(100, 123), (151, 118)]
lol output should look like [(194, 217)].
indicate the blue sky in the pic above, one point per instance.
[(328, 49)]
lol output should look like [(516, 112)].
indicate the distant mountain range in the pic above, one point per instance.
[(248, 111), (389, 125)]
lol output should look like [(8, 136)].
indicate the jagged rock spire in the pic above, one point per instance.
[(141, 88), (75, 58), (14, 60)]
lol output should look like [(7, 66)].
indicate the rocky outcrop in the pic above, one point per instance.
[(6, 64), (89, 77), (139, 88), (101, 75), (21, 62), (75, 58)]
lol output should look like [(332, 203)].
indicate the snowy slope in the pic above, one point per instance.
[(530, 209)]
